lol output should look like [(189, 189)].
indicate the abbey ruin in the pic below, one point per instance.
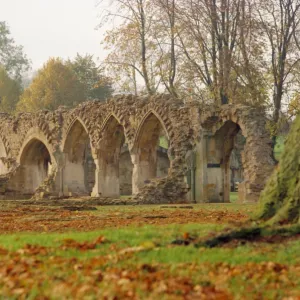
[(157, 149)]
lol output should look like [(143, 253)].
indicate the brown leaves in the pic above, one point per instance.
[(83, 246), (3, 251), (45, 219)]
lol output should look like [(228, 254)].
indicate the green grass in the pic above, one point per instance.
[(234, 196), (126, 237), (229, 268), (161, 236)]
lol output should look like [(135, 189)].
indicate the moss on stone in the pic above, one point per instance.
[(280, 200)]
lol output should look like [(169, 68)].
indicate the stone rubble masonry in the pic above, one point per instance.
[(184, 124)]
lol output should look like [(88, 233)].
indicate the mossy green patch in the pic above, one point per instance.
[(280, 200)]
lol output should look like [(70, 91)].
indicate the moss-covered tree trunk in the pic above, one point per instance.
[(280, 200)]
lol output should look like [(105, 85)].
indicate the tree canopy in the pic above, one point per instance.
[(55, 85), (217, 51), (10, 91), (96, 85), (12, 57)]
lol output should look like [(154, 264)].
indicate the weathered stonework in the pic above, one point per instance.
[(77, 152)]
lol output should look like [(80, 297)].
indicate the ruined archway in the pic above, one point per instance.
[(35, 166), (224, 156), (114, 161), (79, 166), (150, 155)]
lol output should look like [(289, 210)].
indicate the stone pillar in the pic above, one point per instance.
[(97, 190), (227, 182), (107, 182), (144, 169), (227, 149), (59, 173), (201, 169), (73, 177)]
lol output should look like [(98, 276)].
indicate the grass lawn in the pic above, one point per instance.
[(135, 253), (234, 196)]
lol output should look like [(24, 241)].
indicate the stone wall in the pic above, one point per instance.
[(81, 151), (222, 125)]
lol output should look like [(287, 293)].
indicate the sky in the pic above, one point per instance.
[(54, 28)]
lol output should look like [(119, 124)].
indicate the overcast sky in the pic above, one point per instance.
[(53, 27)]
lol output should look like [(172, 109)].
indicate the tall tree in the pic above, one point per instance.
[(165, 36), (12, 57), (54, 85), (96, 85), (220, 40), (10, 91), (280, 21), (133, 47)]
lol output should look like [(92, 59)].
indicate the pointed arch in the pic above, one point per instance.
[(150, 115), (150, 161), (71, 127), (115, 167), (79, 166)]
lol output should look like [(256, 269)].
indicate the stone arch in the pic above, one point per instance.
[(113, 160), (36, 134), (219, 132), (219, 150), (79, 167), (144, 119), (145, 154), (36, 163)]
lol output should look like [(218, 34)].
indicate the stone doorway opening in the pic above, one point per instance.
[(225, 162), (35, 166), (151, 158), (79, 168), (115, 166)]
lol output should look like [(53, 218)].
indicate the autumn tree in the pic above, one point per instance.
[(10, 91), (223, 49), (54, 85), (165, 38), (280, 21), (131, 42), (12, 57), (96, 85), (294, 105)]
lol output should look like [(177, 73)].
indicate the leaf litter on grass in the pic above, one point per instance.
[(116, 270)]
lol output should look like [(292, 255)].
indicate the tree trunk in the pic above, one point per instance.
[(280, 200)]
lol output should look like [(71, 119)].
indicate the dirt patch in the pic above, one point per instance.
[(57, 219)]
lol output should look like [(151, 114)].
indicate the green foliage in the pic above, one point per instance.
[(96, 85), (294, 105), (54, 85), (280, 200), (12, 58), (163, 142), (279, 146), (10, 91)]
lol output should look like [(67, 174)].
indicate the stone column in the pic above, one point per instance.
[(96, 190), (106, 178), (144, 168), (214, 183), (201, 170)]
